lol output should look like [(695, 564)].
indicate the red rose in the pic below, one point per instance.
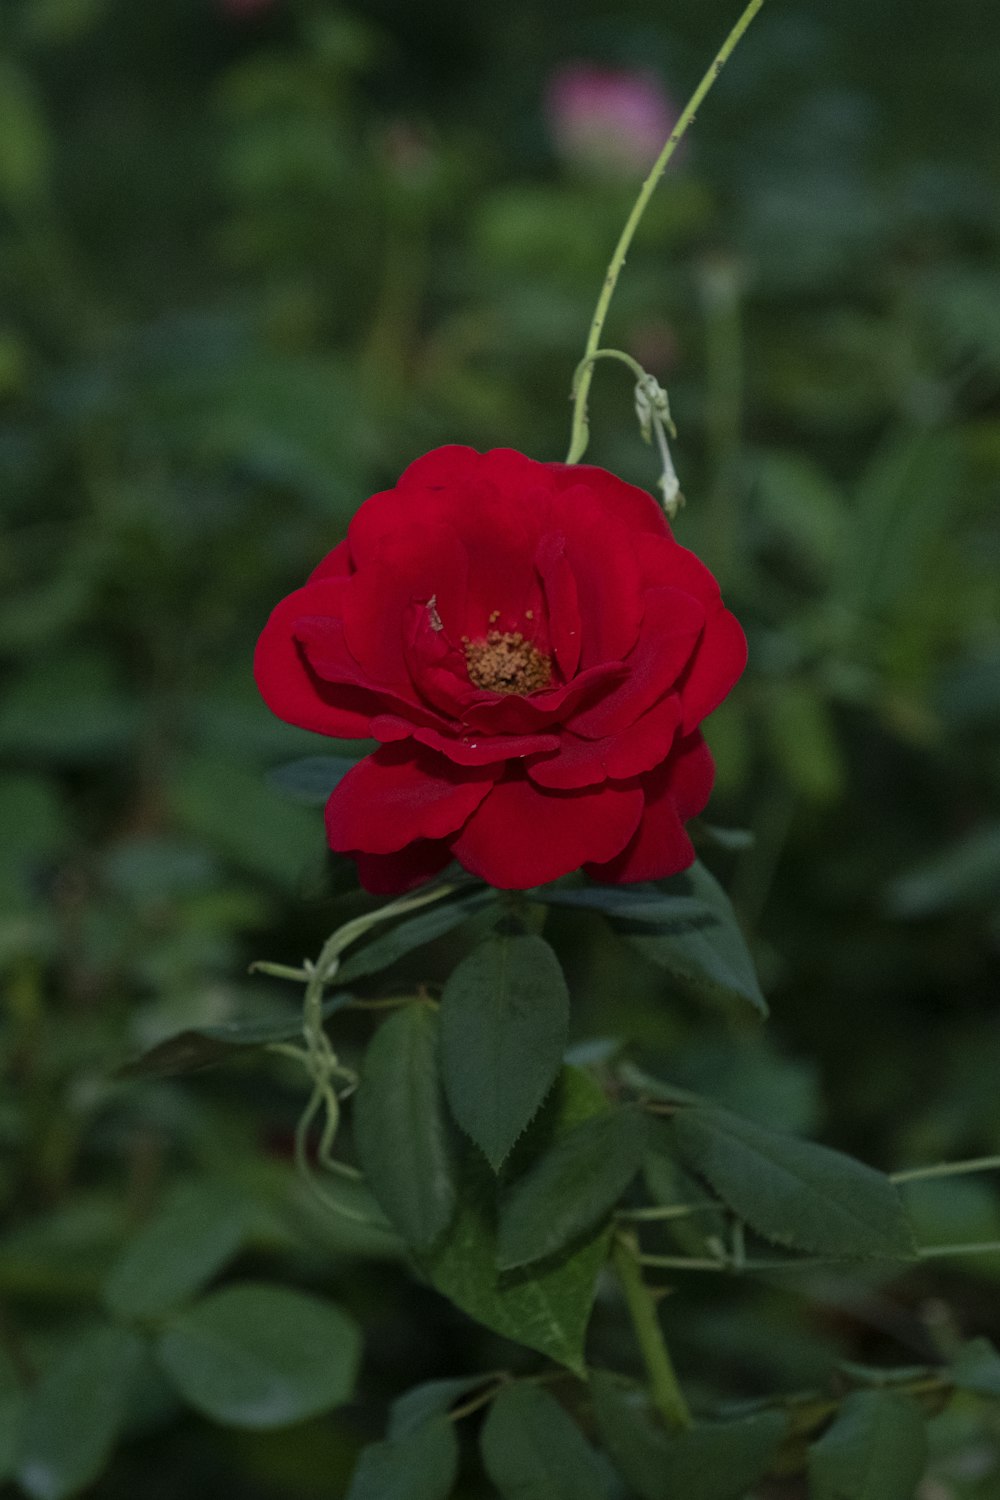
[(534, 651)]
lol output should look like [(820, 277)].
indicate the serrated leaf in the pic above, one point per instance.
[(794, 1192), (421, 1464), (875, 1450), (75, 1413), (198, 1229), (261, 1356), (976, 1368), (311, 779), (711, 1461), (504, 1021), (416, 932), (548, 1307), (401, 1129), (571, 1188), (206, 1046), (710, 956), (533, 1451)]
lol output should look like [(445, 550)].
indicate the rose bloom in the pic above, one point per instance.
[(535, 653), (608, 119)]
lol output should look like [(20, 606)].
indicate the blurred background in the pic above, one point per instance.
[(255, 256)]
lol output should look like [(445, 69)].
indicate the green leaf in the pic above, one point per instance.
[(416, 932), (207, 1046), (261, 1356), (199, 1228), (311, 779), (875, 1450), (533, 1451), (636, 903), (401, 1128), (433, 1398), (711, 956), (504, 1020), (976, 1368), (711, 1461), (421, 1464), (794, 1192), (571, 1188), (547, 1308), (75, 1413)]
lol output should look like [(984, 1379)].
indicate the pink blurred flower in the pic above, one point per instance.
[(608, 120)]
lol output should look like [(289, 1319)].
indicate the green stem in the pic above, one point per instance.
[(581, 427), (668, 1398), (948, 1169)]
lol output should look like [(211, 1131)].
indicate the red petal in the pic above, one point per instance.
[(287, 685), (388, 874), (716, 667), (601, 552), (336, 564), (521, 836), (666, 564), (336, 676), (562, 602), (510, 714), (639, 748), (634, 507), (646, 743), (500, 533), (417, 566), (400, 794), (693, 774), (671, 626), (474, 750), (679, 789)]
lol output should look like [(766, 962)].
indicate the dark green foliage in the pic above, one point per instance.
[(571, 1188), (261, 1356), (793, 1192), (199, 1228), (697, 939), (876, 1449), (418, 1465), (710, 1461), (504, 1021), (75, 1414), (401, 1129), (533, 1451), (547, 1307)]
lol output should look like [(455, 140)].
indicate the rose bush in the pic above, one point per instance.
[(535, 653)]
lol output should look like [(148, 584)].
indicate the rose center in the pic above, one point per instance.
[(504, 662)]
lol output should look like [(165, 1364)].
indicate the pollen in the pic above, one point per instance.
[(507, 663)]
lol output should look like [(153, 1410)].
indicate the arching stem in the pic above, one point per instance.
[(581, 428)]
